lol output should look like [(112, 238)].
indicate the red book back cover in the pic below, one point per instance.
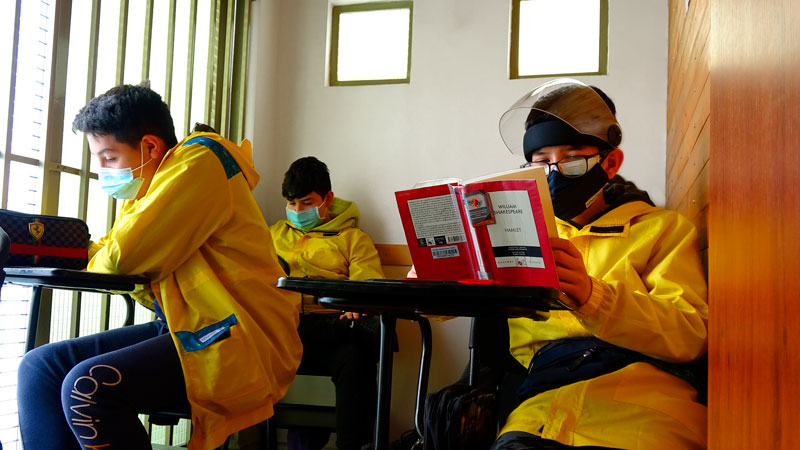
[(436, 229)]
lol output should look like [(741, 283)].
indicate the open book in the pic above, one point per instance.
[(495, 227)]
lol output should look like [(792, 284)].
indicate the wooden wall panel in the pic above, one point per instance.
[(688, 113), (754, 251)]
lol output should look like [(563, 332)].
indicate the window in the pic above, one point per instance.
[(558, 37), (55, 55), (371, 44)]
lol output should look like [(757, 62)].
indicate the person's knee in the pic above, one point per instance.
[(85, 384), (35, 369)]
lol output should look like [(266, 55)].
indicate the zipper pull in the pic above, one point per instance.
[(580, 359)]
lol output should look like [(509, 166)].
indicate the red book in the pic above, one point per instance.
[(495, 229)]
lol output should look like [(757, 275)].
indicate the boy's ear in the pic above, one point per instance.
[(154, 146), (613, 162), (328, 198)]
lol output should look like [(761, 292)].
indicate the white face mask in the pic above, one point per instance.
[(120, 183)]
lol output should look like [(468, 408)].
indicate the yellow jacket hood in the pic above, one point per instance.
[(242, 154)]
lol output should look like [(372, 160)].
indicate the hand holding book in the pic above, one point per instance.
[(572, 276)]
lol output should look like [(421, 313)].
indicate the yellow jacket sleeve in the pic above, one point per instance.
[(653, 300), (365, 264), (149, 239)]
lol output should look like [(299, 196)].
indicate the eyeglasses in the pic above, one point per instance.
[(571, 166)]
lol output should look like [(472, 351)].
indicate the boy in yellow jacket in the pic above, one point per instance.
[(225, 337), (321, 239), (632, 274)]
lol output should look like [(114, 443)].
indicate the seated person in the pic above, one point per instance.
[(631, 272), (225, 338), (321, 239)]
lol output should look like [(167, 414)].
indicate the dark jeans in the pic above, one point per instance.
[(518, 440), (86, 392), (348, 352)]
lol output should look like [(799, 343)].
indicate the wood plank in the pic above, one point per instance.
[(697, 197), (684, 84), (685, 102), (681, 181), (754, 327), (684, 150), (696, 22), (680, 144), (394, 254), (395, 260)]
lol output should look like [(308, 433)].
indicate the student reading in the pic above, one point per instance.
[(631, 272), (225, 337)]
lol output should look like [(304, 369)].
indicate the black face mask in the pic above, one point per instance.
[(571, 195)]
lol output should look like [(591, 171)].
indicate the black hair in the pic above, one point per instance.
[(127, 113), (203, 128), (306, 175), (536, 116)]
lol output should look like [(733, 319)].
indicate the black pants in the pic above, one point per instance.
[(348, 352), (518, 440)]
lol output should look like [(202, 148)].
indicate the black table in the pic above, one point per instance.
[(74, 280), (409, 299)]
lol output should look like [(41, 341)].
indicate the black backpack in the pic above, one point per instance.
[(461, 417)]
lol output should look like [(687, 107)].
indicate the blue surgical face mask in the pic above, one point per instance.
[(305, 219), (120, 183)]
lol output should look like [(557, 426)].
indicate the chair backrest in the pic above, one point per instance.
[(395, 260)]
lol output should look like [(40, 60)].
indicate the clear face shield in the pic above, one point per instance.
[(575, 103)]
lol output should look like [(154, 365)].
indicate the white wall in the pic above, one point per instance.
[(380, 139)]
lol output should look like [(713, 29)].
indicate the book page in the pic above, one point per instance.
[(527, 173), (513, 236)]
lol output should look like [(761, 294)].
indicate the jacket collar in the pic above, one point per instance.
[(626, 202)]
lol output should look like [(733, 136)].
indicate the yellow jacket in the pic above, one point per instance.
[(336, 249), (199, 236), (649, 295)]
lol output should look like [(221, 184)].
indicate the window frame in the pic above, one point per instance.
[(513, 60), (336, 12)]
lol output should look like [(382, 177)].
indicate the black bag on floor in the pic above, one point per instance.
[(461, 417), (45, 241)]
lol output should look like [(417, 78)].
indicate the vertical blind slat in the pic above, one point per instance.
[(91, 81), (148, 39), (122, 39), (55, 111), (187, 118), (11, 90), (170, 53)]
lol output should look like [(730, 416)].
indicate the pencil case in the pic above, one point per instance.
[(45, 241)]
